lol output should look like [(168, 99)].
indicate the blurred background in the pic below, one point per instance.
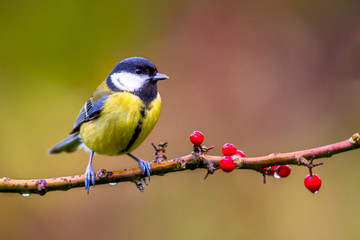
[(268, 76)]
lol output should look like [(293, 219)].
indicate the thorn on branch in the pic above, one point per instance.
[(159, 151), (264, 177), (308, 163), (205, 149), (210, 168), (266, 171)]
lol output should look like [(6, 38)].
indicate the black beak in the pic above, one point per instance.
[(159, 76)]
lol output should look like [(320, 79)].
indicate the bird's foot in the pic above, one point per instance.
[(145, 167), (89, 177)]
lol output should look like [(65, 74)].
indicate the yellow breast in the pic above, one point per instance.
[(122, 126)]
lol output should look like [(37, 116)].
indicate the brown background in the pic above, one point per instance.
[(268, 76)]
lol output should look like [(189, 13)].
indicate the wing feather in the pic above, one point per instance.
[(89, 112)]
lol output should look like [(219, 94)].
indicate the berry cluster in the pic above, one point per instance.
[(229, 150), (227, 164), (311, 181)]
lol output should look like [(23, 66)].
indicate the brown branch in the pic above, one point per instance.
[(195, 160)]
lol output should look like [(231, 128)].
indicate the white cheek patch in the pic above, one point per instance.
[(128, 81)]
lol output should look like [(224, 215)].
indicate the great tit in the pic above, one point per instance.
[(119, 116)]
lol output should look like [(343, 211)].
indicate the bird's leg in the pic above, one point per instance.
[(144, 165), (89, 173)]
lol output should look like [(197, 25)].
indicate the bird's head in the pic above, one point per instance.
[(136, 75)]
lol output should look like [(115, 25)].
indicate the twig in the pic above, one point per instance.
[(192, 161)]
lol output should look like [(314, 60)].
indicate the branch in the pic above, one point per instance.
[(198, 159)]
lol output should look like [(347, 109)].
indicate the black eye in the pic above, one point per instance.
[(138, 71)]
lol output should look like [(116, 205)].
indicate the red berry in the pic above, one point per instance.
[(282, 171), (240, 153), (228, 149), (313, 183), (227, 164), (271, 170), (197, 137)]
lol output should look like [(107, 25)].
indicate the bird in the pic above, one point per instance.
[(119, 116)]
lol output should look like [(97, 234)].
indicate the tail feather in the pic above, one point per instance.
[(70, 144)]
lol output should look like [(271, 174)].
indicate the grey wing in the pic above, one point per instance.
[(89, 112)]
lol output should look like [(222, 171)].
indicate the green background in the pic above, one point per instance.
[(268, 76)]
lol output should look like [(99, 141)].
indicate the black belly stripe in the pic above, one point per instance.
[(137, 130)]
